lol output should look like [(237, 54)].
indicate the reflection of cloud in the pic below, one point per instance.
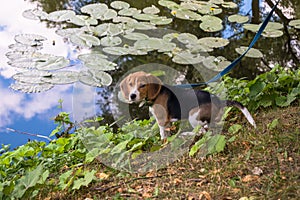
[(83, 102), (14, 23), (27, 107)]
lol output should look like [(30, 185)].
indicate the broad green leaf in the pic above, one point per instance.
[(187, 38), (272, 33), (168, 4), (136, 36), (88, 178), (32, 76), (186, 14), (95, 78), (53, 63), (151, 10), (273, 124), (31, 88), (234, 128), (96, 10), (62, 77), (61, 15), (186, 57), (91, 57), (216, 63), (85, 40), (119, 5), (295, 23), (120, 147), (30, 39), (100, 65), (256, 88), (35, 14), (110, 41), (161, 21), (238, 18), (229, 5), (83, 20), (129, 11), (252, 53), (213, 42)]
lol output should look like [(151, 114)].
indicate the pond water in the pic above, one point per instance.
[(34, 113)]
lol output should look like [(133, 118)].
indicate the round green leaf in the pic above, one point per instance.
[(119, 5), (90, 57), (151, 10), (110, 41), (96, 10), (100, 64), (216, 63), (251, 27), (32, 76), (187, 38), (186, 57), (211, 27), (31, 88), (85, 40), (168, 4), (52, 63), (272, 33), (213, 42), (161, 21), (83, 20), (62, 77), (129, 12), (295, 23), (61, 15), (108, 15), (186, 14), (209, 9), (30, 39), (35, 14), (252, 53), (238, 18), (273, 26), (95, 78), (119, 51), (229, 5)]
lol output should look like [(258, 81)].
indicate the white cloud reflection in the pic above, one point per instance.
[(13, 103)]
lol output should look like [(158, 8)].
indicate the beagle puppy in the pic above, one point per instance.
[(169, 103)]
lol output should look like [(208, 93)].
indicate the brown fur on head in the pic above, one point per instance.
[(139, 86)]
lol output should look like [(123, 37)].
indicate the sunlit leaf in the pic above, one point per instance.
[(120, 19), (187, 38), (186, 57), (53, 63), (142, 26), (229, 5), (161, 21), (101, 65), (110, 41), (295, 23), (211, 23), (30, 39), (32, 76), (68, 32), (145, 17), (85, 40), (209, 9), (61, 15), (273, 26), (213, 42), (272, 33), (108, 15), (251, 27), (119, 5), (95, 78), (151, 10), (129, 12), (216, 63), (96, 10), (168, 4), (35, 14), (62, 77), (238, 18), (154, 44), (186, 14), (31, 88), (116, 50), (253, 53), (83, 20)]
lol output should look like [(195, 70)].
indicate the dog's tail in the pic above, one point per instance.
[(243, 109)]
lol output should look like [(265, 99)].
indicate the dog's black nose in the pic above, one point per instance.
[(132, 96)]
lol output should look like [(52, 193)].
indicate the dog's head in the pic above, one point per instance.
[(140, 86)]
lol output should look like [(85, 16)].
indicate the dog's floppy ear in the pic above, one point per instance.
[(154, 86), (124, 88)]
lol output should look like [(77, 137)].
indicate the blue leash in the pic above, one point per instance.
[(235, 62)]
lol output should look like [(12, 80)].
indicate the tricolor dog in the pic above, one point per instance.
[(168, 103)]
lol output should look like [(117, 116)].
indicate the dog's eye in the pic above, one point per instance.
[(143, 85)]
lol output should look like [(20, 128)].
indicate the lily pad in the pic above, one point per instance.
[(108, 15), (61, 15), (213, 42), (129, 12), (151, 10), (273, 26), (30, 39), (216, 63), (169, 4), (187, 38), (198, 48), (295, 23), (109, 29), (145, 17), (120, 19), (68, 32), (186, 57), (100, 65), (252, 53), (83, 20), (35, 14), (238, 18), (31, 88), (170, 36), (251, 27), (119, 51), (62, 77), (186, 14), (85, 40), (52, 63), (161, 21), (110, 41), (95, 78), (32, 76), (119, 5), (96, 10), (150, 44), (211, 23), (209, 9), (272, 33), (141, 26), (229, 5)]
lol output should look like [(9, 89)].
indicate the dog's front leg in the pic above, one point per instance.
[(161, 117)]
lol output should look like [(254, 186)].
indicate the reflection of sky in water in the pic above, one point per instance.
[(27, 112), (34, 113)]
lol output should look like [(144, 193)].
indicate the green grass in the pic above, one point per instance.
[(227, 175)]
